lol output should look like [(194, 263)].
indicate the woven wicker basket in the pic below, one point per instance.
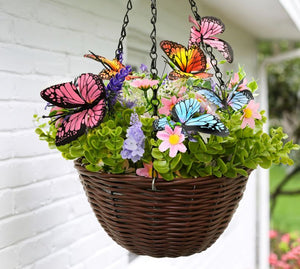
[(180, 218)]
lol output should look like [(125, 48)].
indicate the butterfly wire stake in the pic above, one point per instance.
[(119, 50)]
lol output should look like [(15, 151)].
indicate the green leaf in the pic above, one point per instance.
[(241, 172), (252, 85), (156, 154), (203, 157), (161, 167), (265, 163), (222, 165), (175, 161), (93, 167), (167, 176), (250, 164)]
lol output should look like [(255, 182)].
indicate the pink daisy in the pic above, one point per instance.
[(168, 104), (250, 114), (144, 84), (273, 234), (172, 139)]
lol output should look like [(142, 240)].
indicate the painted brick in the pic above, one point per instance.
[(6, 28), (16, 228), (9, 258), (16, 59), (13, 7), (80, 204), (56, 260), (21, 114), (34, 248), (31, 196), (106, 257), (83, 248), (49, 216), (6, 203), (20, 172), (64, 187), (48, 37)]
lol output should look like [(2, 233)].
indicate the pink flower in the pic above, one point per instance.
[(235, 80), (285, 238), (168, 104), (273, 259), (144, 84), (171, 140), (146, 171), (250, 113), (273, 234)]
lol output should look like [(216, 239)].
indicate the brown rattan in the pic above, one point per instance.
[(180, 218)]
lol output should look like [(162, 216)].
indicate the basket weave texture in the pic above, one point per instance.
[(180, 218)]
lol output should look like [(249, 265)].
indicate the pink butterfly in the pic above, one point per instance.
[(210, 26), (82, 104)]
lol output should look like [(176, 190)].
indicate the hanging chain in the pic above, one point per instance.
[(208, 49), (119, 50), (153, 54), (195, 11)]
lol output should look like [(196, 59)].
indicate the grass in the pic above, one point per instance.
[(286, 216)]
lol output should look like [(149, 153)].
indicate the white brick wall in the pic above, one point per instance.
[(45, 219)]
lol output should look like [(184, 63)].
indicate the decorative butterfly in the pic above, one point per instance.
[(210, 26), (111, 67), (184, 113), (83, 102), (191, 62), (235, 99)]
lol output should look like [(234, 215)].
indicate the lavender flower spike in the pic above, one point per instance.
[(114, 86), (133, 147)]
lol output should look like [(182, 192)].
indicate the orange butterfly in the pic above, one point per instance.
[(111, 67), (191, 62)]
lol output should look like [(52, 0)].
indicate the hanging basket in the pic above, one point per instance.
[(179, 218)]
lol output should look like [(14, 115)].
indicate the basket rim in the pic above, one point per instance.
[(132, 178)]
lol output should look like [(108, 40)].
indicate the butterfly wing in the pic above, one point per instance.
[(185, 109), (206, 123), (190, 60), (211, 96), (64, 95), (238, 99), (211, 26), (177, 74), (114, 64), (75, 125), (159, 124)]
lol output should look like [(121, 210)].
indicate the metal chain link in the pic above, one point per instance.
[(119, 50), (153, 54)]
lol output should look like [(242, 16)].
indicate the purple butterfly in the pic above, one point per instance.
[(84, 103), (210, 26)]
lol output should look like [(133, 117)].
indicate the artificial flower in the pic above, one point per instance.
[(146, 171), (144, 84), (133, 146), (114, 87), (250, 114), (168, 104), (172, 139), (235, 80)]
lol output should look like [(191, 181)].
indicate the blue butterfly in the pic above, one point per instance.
[(235, 99), (182, 114)]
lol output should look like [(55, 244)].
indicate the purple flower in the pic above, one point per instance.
[(114, 86), (133, 147), (144, 68)]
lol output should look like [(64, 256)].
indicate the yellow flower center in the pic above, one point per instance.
[(247, 113), (174, 139)]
